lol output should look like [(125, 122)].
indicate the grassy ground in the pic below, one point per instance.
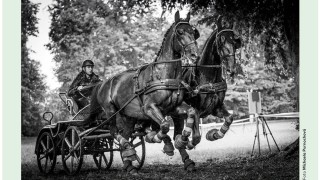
[(227, 158)]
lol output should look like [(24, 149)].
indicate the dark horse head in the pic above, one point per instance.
[(226, 44), (218, 56), (180, 42)]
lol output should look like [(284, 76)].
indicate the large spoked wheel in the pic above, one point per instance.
[(46, 153), (72, 151), (103, 159), (139, 145)]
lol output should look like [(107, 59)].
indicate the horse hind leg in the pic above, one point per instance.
[(128, 152)]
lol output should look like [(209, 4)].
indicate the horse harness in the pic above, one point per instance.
[(152, 85)]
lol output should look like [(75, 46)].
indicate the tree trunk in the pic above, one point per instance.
[(291, 27)]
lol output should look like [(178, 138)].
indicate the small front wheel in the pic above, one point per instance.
[(46, 153), (72, 151)]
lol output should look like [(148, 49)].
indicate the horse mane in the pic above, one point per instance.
[(207, 50), (165, 38)]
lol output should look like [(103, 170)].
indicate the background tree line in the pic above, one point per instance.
[(118, 35)]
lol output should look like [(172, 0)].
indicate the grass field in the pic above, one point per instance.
[(227, 158)]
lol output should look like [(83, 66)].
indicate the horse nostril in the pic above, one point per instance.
[(194, 56)]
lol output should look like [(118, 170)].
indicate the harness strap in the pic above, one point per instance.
[(189, 88), (210, 88), (204, 66), (165, 84)]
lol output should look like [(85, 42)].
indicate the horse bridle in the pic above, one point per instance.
[(184, 46), (223, 58)]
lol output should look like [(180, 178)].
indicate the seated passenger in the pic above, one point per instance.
[(78, 91)]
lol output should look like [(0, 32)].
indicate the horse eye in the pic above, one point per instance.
[(180, 31)]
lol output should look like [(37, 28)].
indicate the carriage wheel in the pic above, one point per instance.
[(103, 160), (139, 145), (72, 151), (46, 153)]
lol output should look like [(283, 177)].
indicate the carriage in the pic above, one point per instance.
[(73, 141)]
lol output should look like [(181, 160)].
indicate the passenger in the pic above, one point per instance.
[(86, 78)]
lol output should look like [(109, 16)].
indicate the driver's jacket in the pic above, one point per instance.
[(82, 80)]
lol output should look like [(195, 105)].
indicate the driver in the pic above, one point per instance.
[(85, 78)]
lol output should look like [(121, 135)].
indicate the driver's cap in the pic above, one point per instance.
[(87, 63)]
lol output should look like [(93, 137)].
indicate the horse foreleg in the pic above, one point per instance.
[(154, 112), (178, 127), (191, 127), (215, 134)]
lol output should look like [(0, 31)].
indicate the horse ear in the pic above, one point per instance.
[(188, 17), (218, 22), (177, 16)]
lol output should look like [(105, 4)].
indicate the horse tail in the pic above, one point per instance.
[(95, 107)]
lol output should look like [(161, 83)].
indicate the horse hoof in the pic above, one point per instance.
[(132, 170), (189, 165), (179, 143), (165, 127), (190, 145), (210, 135), (168, 149)]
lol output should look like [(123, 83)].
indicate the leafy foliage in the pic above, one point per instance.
[(113, 34), (32, 85)]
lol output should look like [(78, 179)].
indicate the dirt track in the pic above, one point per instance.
[(228, 158)]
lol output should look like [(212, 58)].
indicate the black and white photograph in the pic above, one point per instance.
[(161, 89)]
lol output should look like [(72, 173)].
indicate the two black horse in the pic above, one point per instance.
[(148, 93)]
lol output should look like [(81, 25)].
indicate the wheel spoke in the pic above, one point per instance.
[(77, 145), (50, 150), (105, 159), (73, 138), (76, 157), (138, 159), (41, 157), (45, 166), (43, 146), (136, 145), (48, 142), (67, 157), (100, 160), (68, 143), (72, 163)]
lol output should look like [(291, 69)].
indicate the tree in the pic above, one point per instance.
[(32, 85), (113, 34)]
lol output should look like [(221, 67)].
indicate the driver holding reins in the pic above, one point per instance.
[(85, 78)]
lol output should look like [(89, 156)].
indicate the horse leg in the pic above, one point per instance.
[(215, 134), (192, 126), (155, 113), (178, 127), (127, 151), (196, 136)]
